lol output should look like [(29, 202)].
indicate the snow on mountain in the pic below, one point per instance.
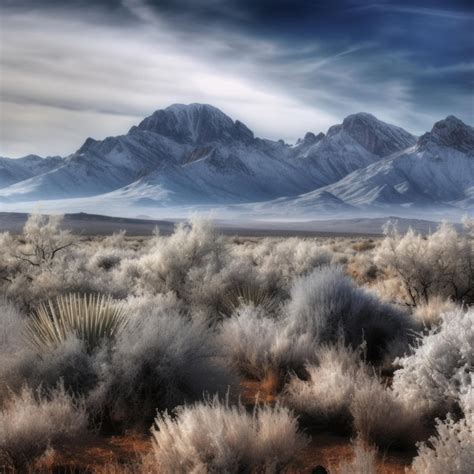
[(438, 169), (358, 142), (195, 154), (15, 170), (196, 124)]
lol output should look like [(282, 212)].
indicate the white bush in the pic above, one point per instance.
[(429, 315), (258, 345), (440, 369), (215, 437), (30, 423), (326, 304), (440, 264), (326, 396), (382, 418), (44, 240), (363, 462), (12, 324), (451, 450), (341, 392), (160, 360)]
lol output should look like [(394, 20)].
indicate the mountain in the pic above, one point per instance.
[(15, 170), (359, 141), (437, 170), (197, 155)]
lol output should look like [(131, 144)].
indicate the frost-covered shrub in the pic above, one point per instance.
[(31, 422), (343, 393), (326, 304), (168, 264), (43, 240), (326, 396), (289, 257), (12, 324), (383, 418), (440, 369), (258, 345), (213, 436), (440, 264), (363, 462), (160, 360), (70, 363), (429, 315), (451, 450)]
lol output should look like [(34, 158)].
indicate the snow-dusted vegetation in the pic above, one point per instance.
[(371, 340)]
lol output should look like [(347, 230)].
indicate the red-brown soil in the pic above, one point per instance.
[(98, 454)]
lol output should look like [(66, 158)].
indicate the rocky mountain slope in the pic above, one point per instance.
[(195, 154)]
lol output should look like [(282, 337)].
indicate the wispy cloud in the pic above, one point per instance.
[(68, 74), (458, 15)]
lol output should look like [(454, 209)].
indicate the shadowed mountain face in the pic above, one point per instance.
[(196, 154), (195, 124)]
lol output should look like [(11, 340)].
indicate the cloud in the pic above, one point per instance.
[(457, 15), (69, 73)]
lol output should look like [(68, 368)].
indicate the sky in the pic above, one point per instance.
[(70, 70)]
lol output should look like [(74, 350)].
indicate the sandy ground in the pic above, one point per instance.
[(101, 454)]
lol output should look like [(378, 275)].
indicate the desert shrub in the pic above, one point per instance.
[(31, 422), (429, 315), (345, 394), (440, 369), (257, 345), (451, 450), (160, 360), (91, 318), (171, 260), (279, 261), (69, 362), (326, 303), (213, 436), (12, 324), (362, 269), (382, 418), (440, 264), (43, 240), (364, 460), (326, 395), (363, 245)]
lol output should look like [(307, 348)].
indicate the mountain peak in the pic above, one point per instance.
[(310, 139), (378, 137), (450, 132), (195, 123)]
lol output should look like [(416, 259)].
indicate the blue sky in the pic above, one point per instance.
[(94, 68)]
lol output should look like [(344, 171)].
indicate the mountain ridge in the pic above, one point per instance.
[(196, 154)]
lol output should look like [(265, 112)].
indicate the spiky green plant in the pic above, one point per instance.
[(91, 318)]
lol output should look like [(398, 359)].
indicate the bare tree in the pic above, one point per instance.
[(43, 240), (439, 264)]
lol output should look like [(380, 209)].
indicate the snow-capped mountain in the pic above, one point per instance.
[(196, 154), (437, 170), (15, 170)]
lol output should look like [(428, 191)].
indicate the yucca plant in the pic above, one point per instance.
[(249, 294), (91, 318)]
